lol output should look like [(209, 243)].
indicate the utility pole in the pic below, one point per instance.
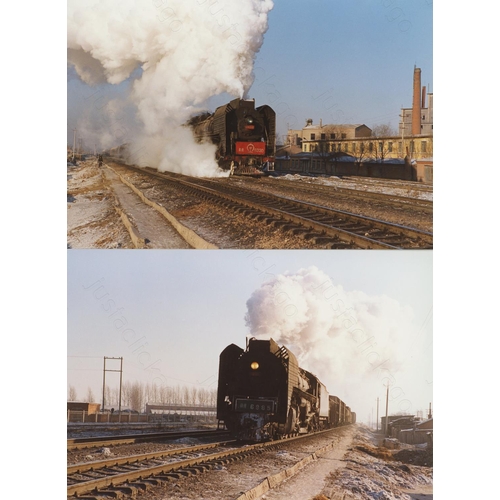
[(386, 410), (403, 135), (74, 144), (104, 382), (377, 414)]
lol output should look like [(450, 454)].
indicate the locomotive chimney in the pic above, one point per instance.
[(415, 117)]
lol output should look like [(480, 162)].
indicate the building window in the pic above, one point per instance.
[(380, 147), (345, 147), (323, 137), (400, 147), (423, 146), (313, 136), (370, 147), (353, 147), (332, 136), (412, 146), (389, 147), (344, 136)]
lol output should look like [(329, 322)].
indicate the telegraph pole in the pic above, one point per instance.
[(104, 382), (377, 414), (403, 135), (74, 144), (386, 410)]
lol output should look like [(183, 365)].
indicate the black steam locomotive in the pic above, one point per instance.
[(263, 394), (245, 136)]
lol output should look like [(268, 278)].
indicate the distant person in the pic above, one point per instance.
[(100, 160)]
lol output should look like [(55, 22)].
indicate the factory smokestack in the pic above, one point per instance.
[(424, 95), (415, 117)]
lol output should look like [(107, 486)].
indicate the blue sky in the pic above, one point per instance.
[(343, 61), (185, 307), (339, 61)]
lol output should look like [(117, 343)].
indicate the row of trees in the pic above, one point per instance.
[(135, 395)]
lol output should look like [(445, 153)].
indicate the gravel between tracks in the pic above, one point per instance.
[(348, 471), (298, 187), (93, 222)]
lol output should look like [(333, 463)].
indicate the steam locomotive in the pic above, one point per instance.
[(263, 394), (245, 136)]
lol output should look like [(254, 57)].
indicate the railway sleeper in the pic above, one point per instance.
[(116, 493), (339, 245), (394, 238), (308, 235), (271, 220), (297, 230), (261, 217), (323, 240), (138, 485), (280, 223)]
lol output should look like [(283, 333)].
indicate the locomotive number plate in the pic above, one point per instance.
[(255, 405), (250, 148)]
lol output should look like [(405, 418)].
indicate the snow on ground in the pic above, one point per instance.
[(400, 188), (92, 219), (381, 477)]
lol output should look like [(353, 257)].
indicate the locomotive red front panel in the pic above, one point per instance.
[(251, 148)]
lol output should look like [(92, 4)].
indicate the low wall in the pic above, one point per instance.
[(404, 172)]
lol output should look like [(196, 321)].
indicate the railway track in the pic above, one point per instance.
[(126, 475), (371, 182), (149, 467), (323, 226), (91, 442), (383, 199)]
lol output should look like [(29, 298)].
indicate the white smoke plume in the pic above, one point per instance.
[(353, 342), (180, 52)]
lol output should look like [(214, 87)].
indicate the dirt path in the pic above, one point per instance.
[(148, 223), (313, 479)]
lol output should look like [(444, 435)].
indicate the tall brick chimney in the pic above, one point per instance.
[(416, 114)]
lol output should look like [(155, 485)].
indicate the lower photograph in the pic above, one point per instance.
[(259, 374)]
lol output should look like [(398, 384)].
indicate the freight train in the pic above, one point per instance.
[(245, 136), (263, 394)]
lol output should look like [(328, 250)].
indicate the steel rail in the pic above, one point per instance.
[(341, 230), (79, 443), (110, 462), (392, 200), (149, 472)]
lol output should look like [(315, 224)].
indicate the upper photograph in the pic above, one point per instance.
[(215, 124)]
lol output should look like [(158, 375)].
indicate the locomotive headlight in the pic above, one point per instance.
[(249, 119), (254, 365)]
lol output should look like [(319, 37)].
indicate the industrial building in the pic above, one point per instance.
[(414, 141)]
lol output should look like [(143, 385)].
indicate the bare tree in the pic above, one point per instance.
[(136, 396), (72, 393), (362, 151), (108, 396), (203, 397), (384, 135), (90, 396)]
